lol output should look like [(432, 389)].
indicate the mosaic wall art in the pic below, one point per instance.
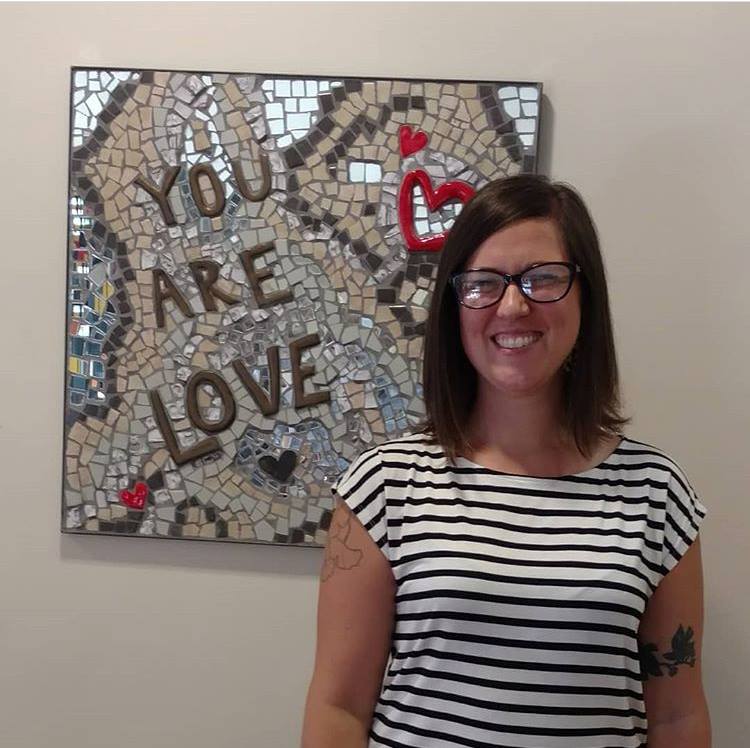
[(250, 260)]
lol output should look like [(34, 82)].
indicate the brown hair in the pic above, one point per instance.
[(591, 392)]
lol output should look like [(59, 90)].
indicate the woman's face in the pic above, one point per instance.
[(532, 369)]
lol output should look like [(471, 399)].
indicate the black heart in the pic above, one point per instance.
[(280, 469)]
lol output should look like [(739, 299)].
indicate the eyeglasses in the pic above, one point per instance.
[(478, 288)]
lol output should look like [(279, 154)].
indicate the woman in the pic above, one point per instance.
[(534, 575)]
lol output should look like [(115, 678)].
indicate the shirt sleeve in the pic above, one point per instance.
[(361, 487), (683, 517)]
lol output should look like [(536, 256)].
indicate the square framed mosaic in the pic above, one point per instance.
[(250, 260)]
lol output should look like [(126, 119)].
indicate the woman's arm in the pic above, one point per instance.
[(355, 623), (692, 731), (670, 643)]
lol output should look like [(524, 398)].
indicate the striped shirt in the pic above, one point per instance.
[(518, 598)]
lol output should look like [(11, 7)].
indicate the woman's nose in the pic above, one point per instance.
[(513, 303)]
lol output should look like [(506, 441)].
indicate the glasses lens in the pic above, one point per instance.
[(546, 283), (477, 288)]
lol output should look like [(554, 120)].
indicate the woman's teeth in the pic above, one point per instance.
[(516, 341)]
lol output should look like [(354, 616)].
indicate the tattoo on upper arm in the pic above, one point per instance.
[(340, 554), (682, 653)]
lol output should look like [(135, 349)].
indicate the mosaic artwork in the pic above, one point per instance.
[(250, 260)]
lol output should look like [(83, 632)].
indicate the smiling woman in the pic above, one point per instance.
[(519, 342), (518, 572), (510, 227)]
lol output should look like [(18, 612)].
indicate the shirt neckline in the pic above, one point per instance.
[(580, 474)]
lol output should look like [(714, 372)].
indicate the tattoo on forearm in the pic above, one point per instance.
[(682, 653), (340, 554)]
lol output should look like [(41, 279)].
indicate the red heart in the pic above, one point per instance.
[(135, 500), (410, 142), (447, 191)]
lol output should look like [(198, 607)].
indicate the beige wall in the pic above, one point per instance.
[(112, 642)]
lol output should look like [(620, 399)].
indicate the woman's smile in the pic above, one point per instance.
[(518, 345)]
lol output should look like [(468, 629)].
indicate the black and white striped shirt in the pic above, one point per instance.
[(518, 598)]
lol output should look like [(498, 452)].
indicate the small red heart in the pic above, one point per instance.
[(135, 500), (410, 142), (435, 198)]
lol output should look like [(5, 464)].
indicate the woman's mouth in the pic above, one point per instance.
[(514, 342)]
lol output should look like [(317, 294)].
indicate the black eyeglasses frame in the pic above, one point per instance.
[(514, 278)]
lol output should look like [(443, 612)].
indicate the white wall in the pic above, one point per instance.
[(113, 642)]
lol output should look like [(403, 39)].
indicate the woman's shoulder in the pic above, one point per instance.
[(646, 454), (411, 442), (410, 447)]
